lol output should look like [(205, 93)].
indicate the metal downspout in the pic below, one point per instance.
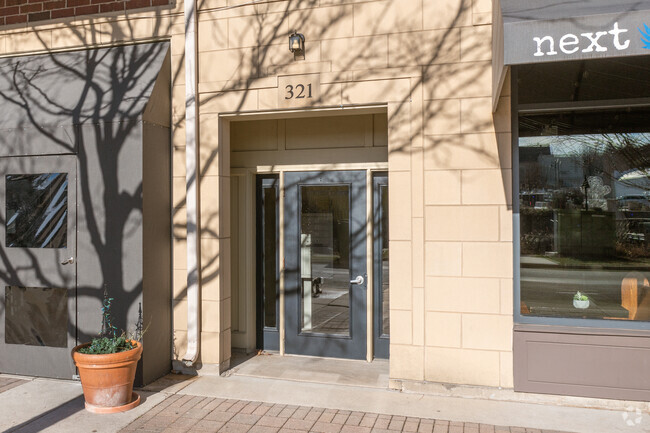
[(191, 179)]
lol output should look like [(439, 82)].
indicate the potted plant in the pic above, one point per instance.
[(580, 300), (107, 367)]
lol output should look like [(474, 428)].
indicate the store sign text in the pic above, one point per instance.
[(588, 42)]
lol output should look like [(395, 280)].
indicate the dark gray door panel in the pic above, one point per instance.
[(38, 239), (325, 251)]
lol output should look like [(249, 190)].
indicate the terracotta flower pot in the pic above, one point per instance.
[(107, 380)]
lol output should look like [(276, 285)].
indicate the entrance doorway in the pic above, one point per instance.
[(327, 258), (38, 271), (304, 222)]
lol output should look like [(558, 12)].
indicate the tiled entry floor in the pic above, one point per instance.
[(186, 413), (312, 369)]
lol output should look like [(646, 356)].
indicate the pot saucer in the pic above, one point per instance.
[(135, 401)]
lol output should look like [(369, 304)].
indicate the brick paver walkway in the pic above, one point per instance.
[(186, 413)]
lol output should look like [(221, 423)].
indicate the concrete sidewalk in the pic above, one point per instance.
[(334, 398), (36, 405)]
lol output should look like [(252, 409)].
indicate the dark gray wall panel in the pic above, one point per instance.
[(79, 86), (593, 363), (91, 103), (43, 96), (47, 140), (109, 225)]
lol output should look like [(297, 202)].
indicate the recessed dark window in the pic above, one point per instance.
[(586, 80), (37, 210), (36, 316)]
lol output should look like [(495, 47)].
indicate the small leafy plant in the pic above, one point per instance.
[(580, 297), (104, 345), (108, 340)]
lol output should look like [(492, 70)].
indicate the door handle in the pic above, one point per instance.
[(359, 280), (68, 261)]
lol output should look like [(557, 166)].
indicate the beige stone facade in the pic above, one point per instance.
[(426, 65)]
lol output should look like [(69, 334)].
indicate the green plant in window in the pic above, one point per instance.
[(580, 297)]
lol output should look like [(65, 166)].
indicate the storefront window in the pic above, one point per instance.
[(584, 209)]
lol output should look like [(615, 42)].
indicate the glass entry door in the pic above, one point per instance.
[(37, 265), (325, 257)]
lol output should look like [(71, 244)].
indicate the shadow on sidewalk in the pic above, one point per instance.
[(71, 408), (50, 417)]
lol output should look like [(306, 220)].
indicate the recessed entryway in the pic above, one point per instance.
[(309, 234)]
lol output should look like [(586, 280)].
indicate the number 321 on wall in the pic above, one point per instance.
[(298, 90)]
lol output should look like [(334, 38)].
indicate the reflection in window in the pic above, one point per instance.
[(325, 259), (270, 266), (383, 233), (37, 210), (584, 196), (36, 316)]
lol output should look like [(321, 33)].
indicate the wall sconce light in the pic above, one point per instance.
[(297, 44)]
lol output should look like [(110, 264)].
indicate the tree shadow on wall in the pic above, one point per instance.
[(442, 69), (92, 104), (445, 70)]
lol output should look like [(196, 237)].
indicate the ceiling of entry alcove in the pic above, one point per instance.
[(309, 133)]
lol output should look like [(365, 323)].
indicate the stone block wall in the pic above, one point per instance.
[(429, 63), (449, 156)]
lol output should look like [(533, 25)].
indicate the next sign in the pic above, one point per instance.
[(590, 42)]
